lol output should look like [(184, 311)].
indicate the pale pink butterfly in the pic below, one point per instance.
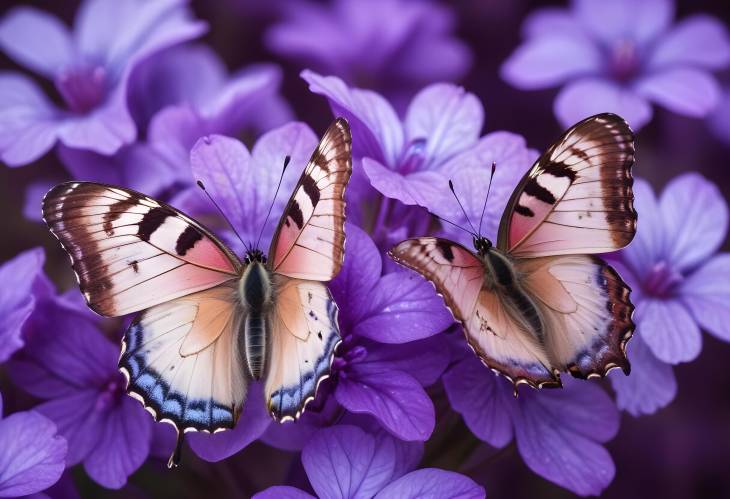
[(210, 322), (540, 302)]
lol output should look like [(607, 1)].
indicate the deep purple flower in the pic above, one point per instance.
[(679, 285), (346, 462), (619, 56), (16, 298), (90, 69), (558, 432), (69, 363), (32, 455), (392, 46), (380, 367)]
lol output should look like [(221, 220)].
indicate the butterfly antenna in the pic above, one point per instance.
[(481, 218), (287, 159), (451, 186), (454, 224), (200, 184)]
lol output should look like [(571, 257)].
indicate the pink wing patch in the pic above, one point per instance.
[(309, 242), (131, 252), (578, 197), (455, 272)]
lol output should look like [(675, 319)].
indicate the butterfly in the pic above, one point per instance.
[(209, 323), (540, 301)]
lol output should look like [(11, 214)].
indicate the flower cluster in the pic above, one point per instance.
[(132, 95)]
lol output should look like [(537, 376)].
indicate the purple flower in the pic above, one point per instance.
[(558, 432), (380, 367), (71, 365), (346, 462), (32, 455), (680, 285), (619, 56), (405, 160), (393, 46), (90, 69), (719, 120), (17, 301)]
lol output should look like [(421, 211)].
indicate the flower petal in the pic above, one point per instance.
[(358, 276), (421, 188), (425, 360), (251, 425), (651, 385), (548, 60), (37, 40), (376, 130), (483, 400), (28, 127), (345, 461), (706, 292), (123, 446), (447, 117), (699, 40), (695, 219), (32, 455), (16, 300), (686, 91), (549, 21), (668, 329), (283, 492), (403, 307), (590, 96), (564, 449), (620, 19), (432, 483), (394, 398)]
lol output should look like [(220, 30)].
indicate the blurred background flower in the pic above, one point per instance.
[(153, 95)]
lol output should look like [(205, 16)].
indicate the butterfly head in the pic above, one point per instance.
[(254, 255), (482, 245)]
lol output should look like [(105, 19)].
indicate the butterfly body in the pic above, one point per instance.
[(539, 302), (209, 323)]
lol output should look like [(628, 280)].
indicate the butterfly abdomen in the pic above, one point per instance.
[(255, 293)]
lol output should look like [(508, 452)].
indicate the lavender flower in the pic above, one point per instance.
[(619, 56), (346, 462), (16, 298), (679, 285), (558, 432), (392, 46), (89, 68), (31, 453), (404, 159)]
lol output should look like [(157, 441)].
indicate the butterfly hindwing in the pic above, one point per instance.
[(181, 360), (578, 197), (131, 252), (304, 336), (309, 242)]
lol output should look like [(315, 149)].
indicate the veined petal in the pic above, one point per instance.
[(668, 329), (432, 483), (424, 188)]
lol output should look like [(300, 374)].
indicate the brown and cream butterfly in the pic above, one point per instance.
[(540, 302), (210, 322)]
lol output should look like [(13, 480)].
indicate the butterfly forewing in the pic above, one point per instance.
[(131, 252), (310, 239), (578, 197)]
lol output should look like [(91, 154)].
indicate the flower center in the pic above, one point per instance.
[(82, 88), (109, 394), (413, 157), (624, 60), (350, 353), (661, 280)]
